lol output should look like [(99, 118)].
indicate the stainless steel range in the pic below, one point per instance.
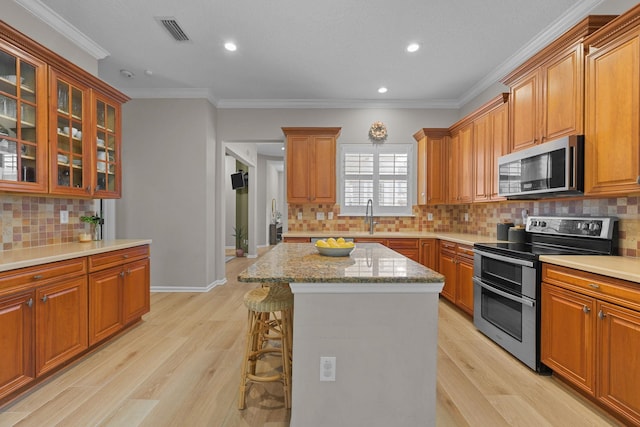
[(507, 278)]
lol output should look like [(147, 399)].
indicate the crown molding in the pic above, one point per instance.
[(337, 103), (62, 26), (170, 93), (540, 41)]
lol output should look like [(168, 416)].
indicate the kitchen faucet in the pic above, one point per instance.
[(368, 218)]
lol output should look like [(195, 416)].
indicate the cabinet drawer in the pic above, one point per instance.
[(465, 251), (403, 243), (605, 288), (115, 258), (23, 278)]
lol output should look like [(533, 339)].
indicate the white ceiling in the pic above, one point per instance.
[(330, 53)]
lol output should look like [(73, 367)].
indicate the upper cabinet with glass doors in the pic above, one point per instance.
[(23, 113), (52, 109), (106, 177), (69, 131)]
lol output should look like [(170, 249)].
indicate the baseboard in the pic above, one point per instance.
[(189, 288)]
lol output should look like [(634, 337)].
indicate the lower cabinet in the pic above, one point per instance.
[(118, 294), (61, 323), (17, 367), (429, 253), (590, 336), (407, 247), (52, 313), (456, 265)]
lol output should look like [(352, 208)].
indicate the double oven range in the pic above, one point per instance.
[(507, 278)]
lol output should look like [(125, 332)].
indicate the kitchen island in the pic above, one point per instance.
[(376, 312)]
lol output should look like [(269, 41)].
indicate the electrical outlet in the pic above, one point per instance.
[(320, 216), (299, 216), (429, 216), (64, 217), (330, 215), (327, 368)]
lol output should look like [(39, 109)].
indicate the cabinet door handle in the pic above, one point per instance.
[(37, 277), (594, 286), (122, 274), (88, 189), (601, 314), (638, 179), (44, 298), (128, 271), (29, 303), (586, 309)]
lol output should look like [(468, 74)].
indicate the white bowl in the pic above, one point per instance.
[(336, 252)]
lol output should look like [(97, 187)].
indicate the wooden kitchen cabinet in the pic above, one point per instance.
[(432, 165), (456, 265), (429, 253), (407, 247), (23, 119), (490, 141), (311, 165), (16, 340), (54, 312), (461, 165), (590, 335), (612, 135), (546, 98), (118, 290), (79, 154), (61, 323)]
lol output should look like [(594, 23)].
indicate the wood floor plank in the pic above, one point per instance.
[(131, 413)]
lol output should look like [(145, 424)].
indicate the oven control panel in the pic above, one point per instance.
[(596, 227)]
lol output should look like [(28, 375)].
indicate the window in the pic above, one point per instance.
[(379, 173)]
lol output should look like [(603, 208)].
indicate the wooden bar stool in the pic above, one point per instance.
[(270, 314)]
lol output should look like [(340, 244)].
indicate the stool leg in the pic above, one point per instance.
[(285, 327), (246, 361)]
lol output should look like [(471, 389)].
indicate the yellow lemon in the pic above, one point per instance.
[(340, 240), (332, 242), (322, 244), (349, 244)]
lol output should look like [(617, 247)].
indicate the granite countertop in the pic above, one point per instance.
[(20, 258), (368, 263)]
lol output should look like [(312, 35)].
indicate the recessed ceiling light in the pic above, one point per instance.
[(230, 46), (382, 90), (413, 47)]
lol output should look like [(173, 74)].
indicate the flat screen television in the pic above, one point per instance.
[(237, 180)]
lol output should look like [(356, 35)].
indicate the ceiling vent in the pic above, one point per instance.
[(171, 25)]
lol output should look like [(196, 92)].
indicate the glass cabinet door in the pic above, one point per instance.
[(107, 148), (23, 148), (70, 129)]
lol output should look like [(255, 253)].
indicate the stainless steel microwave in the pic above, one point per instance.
[(554, 168)]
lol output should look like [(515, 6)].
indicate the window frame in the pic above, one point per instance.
[(376, 150)]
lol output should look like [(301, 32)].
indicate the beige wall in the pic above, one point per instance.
[(169, 189)]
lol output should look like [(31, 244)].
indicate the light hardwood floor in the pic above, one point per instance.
[(181, 367)]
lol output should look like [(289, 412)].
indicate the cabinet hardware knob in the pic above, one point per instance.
[(122, 274), (594, 286), (37, 277), (601, 314), (44, 298), (638, 179), (88, 189), (125, 256), (30, 302), (128, 271), (586, 309)]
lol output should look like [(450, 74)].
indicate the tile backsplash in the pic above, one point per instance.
[(35, 221), (482, 217)]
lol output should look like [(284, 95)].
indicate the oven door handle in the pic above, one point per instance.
[(507, 295), (504, 258)]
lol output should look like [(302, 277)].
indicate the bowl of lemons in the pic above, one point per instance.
[(335, 247)]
